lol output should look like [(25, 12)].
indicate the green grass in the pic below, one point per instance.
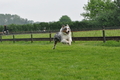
[(96, 33), (84, 60)]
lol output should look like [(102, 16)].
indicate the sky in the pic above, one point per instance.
[(44, 10)]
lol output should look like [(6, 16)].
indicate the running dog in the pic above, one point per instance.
[(64, 36)]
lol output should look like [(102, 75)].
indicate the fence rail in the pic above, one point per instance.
[(117, 38), (103, 38)]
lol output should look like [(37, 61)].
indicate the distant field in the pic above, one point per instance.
[(95, 33), (84, 60)]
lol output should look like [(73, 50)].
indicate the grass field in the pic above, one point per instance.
[(83, 60)]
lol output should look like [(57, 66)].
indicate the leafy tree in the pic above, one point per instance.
[(94, 7), (103, 12), (117, 3), (110, 17), (65, 19)]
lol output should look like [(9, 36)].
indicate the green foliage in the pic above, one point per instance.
[(103, 12), (94, 7), (65, 18), (55, 26), (104, 18), (80, 61)]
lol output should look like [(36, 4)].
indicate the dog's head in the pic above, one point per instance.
[(65, 29)]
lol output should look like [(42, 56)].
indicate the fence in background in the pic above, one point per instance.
[(103, 38)]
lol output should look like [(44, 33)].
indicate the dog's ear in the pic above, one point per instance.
[(63, 25), (67, 24)]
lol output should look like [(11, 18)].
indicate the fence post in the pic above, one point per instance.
[(31, 38), (104, 39), (0, 38), (73, 36), (50, 36), (50, 33), (13, 38)]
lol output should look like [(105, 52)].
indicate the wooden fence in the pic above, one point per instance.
[(103, 38)]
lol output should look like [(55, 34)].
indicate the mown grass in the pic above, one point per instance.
[(96, 33), (84, 60)]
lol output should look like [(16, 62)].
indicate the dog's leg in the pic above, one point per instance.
[(55, 42), (70, 40), (69, 43), (64, 41)]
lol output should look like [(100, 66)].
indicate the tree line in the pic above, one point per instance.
[(52, 26), (55, 26)]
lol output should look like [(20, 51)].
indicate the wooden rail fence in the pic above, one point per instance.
[(103, 38), (117, 38)]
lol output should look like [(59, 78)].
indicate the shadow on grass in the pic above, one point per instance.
[(111, 44), (100, 43)]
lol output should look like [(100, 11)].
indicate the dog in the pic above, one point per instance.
[(64, 36)]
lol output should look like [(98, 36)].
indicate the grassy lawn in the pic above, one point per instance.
[(83, 60), (96, 33)]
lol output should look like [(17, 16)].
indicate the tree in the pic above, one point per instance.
[(65, 18), (94, 7), (103, 12), (117, 3), (111, 16)]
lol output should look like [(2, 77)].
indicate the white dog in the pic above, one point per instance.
[(63, 36)]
